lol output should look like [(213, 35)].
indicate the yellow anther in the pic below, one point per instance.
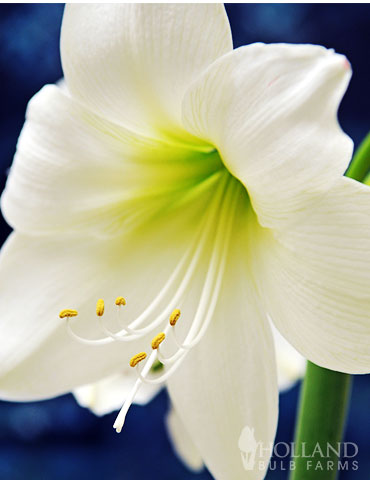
[(157, 340), (68, 312), (100, 307), (120, 301), (175, 315), (137, 359)]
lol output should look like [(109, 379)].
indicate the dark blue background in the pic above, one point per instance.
[(57, 439)]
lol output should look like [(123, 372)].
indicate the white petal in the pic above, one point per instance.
[(108, 394), (39, 276), (315, 277), (228, 385), (182, 443), (75, 172), (271, 110), (290, 364), (131, 63)]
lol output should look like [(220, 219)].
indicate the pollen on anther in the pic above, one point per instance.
[(157, 340), (68, 312), (137, 359), (175, 315), (100, 307), (120, 301)]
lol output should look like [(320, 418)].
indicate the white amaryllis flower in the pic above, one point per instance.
[(182, 174)]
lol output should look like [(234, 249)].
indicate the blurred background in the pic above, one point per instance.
[(57, 439)]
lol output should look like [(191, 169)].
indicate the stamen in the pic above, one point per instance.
[(120, 420), (120, 301), (68, 312), (100, 307), (157, 340), (136, 359), (175, 315)]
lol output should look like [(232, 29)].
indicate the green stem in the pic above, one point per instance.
[(360, 165), (325, 393), (322, 415)]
